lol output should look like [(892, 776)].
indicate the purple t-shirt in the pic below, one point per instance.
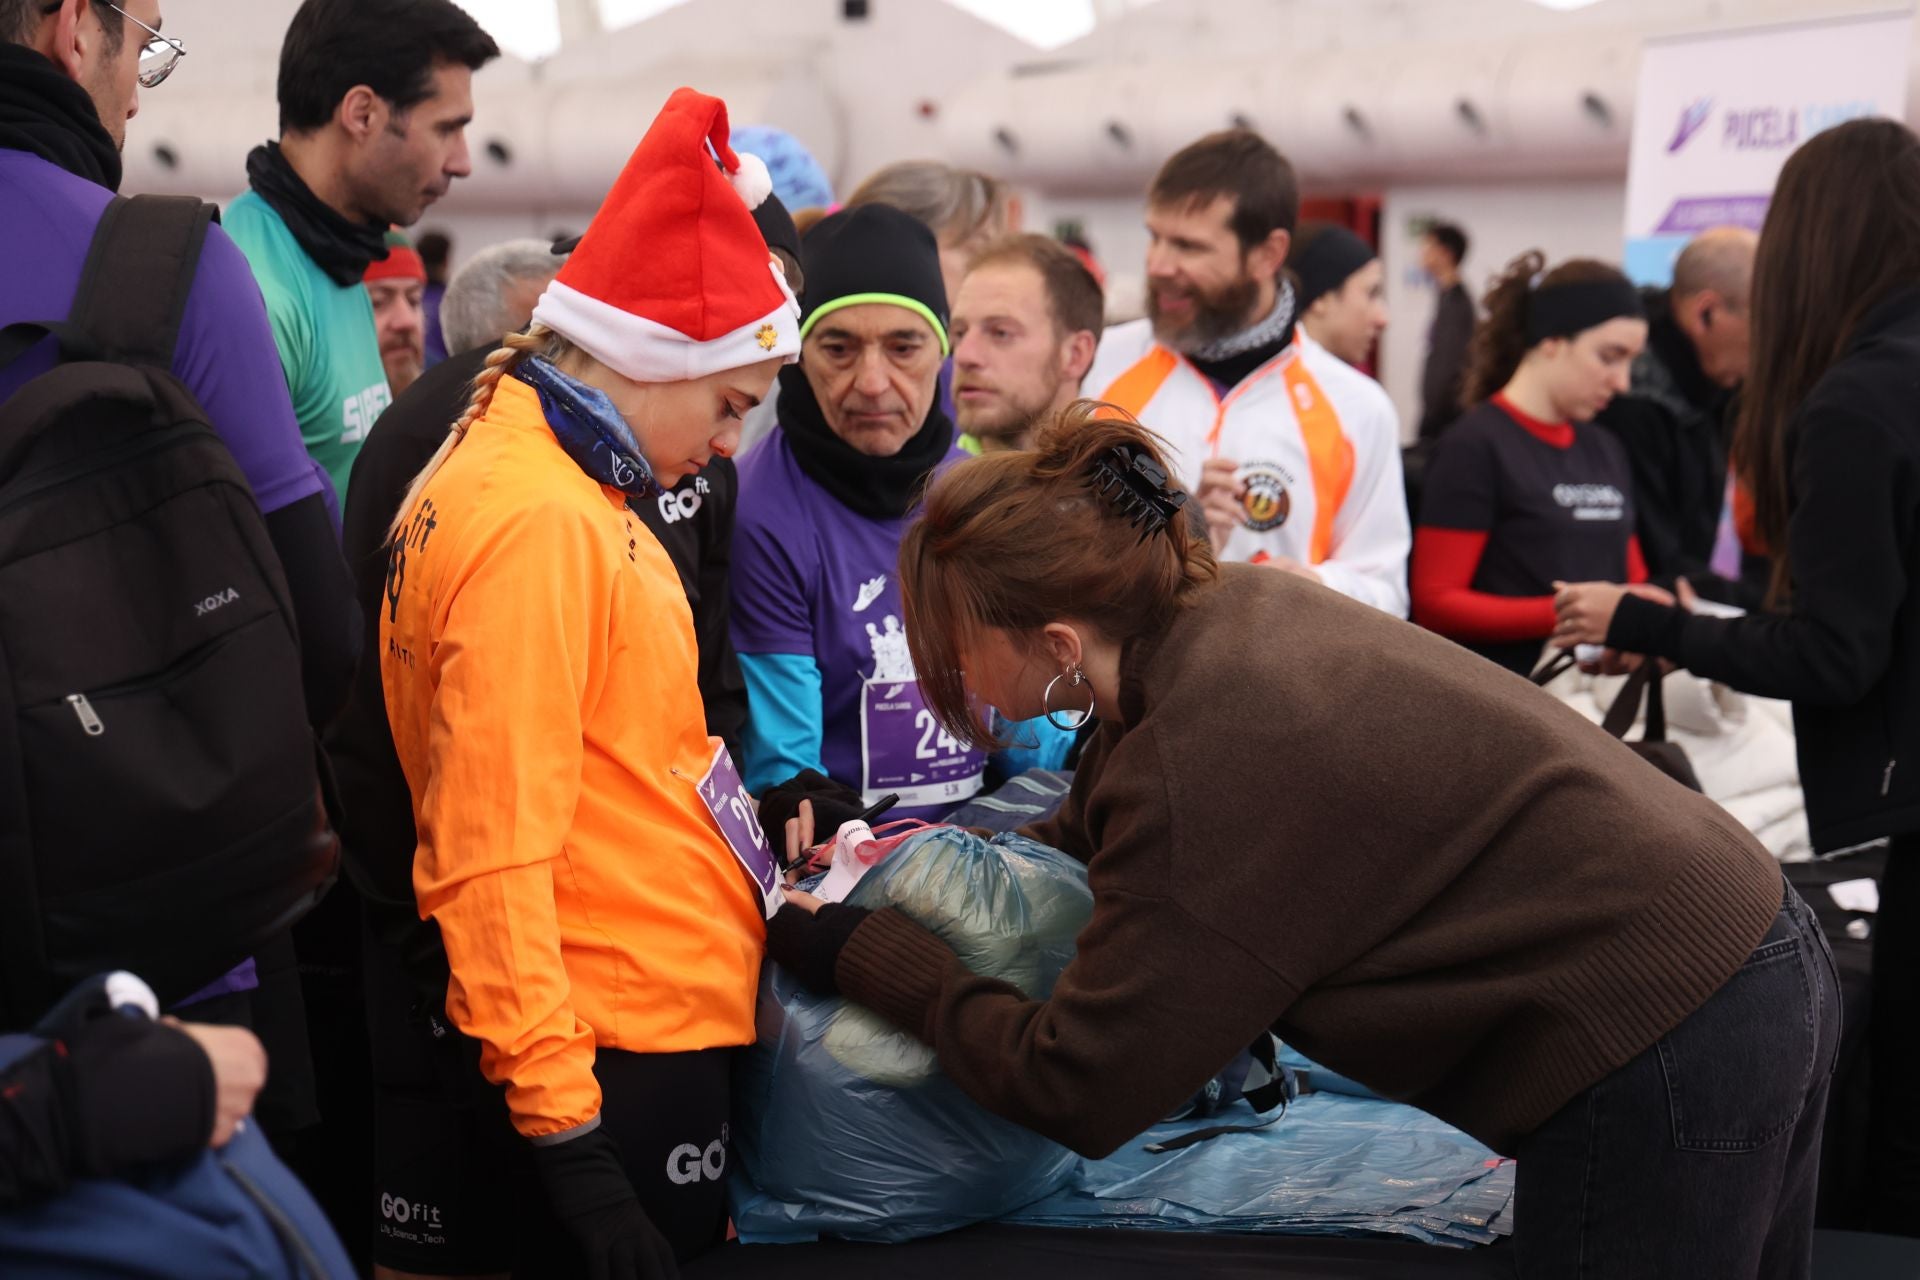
[(813, 579), (225, 356)]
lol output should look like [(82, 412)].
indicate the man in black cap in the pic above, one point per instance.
[(824, 501), (428, 1137), (1342, 294)]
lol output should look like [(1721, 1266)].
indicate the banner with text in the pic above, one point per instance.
[(1718, 114)]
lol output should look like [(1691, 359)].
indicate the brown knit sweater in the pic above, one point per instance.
[(1411, 864)]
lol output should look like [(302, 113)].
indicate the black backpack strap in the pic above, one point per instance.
[(19, 338), (133, 290)]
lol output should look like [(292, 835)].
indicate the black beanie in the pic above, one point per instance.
[(873, 253), (776, 226), (1325, 258)]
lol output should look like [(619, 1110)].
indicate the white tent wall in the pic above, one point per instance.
[(548, 138), (1523, 113)]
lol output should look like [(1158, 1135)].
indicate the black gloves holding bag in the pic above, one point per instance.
[(808, 945), (591, 1193)]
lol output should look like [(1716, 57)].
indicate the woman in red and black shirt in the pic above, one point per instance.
[(1524, 492)]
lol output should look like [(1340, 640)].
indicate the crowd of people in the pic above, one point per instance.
[(623, 570)]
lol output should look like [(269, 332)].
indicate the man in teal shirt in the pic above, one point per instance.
[(375, 97)]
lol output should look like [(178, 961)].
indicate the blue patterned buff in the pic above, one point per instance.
[(590, 429)]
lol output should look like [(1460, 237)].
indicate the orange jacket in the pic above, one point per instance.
[(538, 658)]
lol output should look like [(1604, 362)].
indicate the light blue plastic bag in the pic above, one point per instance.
[(1337, 1165), (844, 1125)]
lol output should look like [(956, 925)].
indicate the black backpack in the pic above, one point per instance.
[(160, 800)]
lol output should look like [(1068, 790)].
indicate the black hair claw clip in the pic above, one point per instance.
[(1138, 487)]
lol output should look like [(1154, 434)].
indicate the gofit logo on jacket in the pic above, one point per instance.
[(683, 504)]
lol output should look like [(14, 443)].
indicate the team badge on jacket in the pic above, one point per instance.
[(1263, 496)]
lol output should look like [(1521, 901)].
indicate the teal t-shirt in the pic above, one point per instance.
[(328, 347)]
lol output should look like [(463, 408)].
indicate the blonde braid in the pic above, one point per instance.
[(537, 340)]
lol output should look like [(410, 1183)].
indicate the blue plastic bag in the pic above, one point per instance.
[(846, 1126), (1339, 1166)]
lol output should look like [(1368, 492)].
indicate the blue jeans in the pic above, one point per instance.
[(1699, 1159)]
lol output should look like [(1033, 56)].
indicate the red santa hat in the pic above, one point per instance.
[(673, 280)]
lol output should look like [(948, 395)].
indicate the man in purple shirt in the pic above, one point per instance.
[(823, 504), (69, 82), (824, 501), (59, 166)]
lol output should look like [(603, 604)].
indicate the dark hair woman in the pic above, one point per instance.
[(1467, 897), (1829, 447), (1523, 493)]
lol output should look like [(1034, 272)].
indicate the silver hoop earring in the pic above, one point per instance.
[(1074, 680)]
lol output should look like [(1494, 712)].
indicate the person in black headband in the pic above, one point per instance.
[(1522, 492), (1341, 291), (1569, 308)]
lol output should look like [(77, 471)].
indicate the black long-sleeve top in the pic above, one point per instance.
[(1847, 653)]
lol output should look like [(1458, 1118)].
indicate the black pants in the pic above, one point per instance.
[(1894, 1148), (1700, 1158), (457, 1191)]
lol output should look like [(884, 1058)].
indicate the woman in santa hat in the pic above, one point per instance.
[(585, 848)]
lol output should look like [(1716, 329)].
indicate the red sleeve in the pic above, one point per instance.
[(1636, 562), (1444, 561)]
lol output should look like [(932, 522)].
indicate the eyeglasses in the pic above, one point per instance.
[(159, 56)]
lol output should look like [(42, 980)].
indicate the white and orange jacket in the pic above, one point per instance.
[(1317, 442)]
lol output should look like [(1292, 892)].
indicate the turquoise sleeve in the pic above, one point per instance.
[(782, 734), (1037, 744)]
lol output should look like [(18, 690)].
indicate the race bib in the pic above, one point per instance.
[(726, 799), (904, 749)]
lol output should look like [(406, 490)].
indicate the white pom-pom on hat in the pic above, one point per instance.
[(751, 179)]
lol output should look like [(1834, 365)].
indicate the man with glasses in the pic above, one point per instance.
[(375, 97), (70, 79)]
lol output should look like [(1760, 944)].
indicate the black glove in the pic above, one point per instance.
[(139, 1091), (834, 804), (592, 1194), (808, 945)]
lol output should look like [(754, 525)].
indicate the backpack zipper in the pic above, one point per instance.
[(1886, 780), (89, 718)]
